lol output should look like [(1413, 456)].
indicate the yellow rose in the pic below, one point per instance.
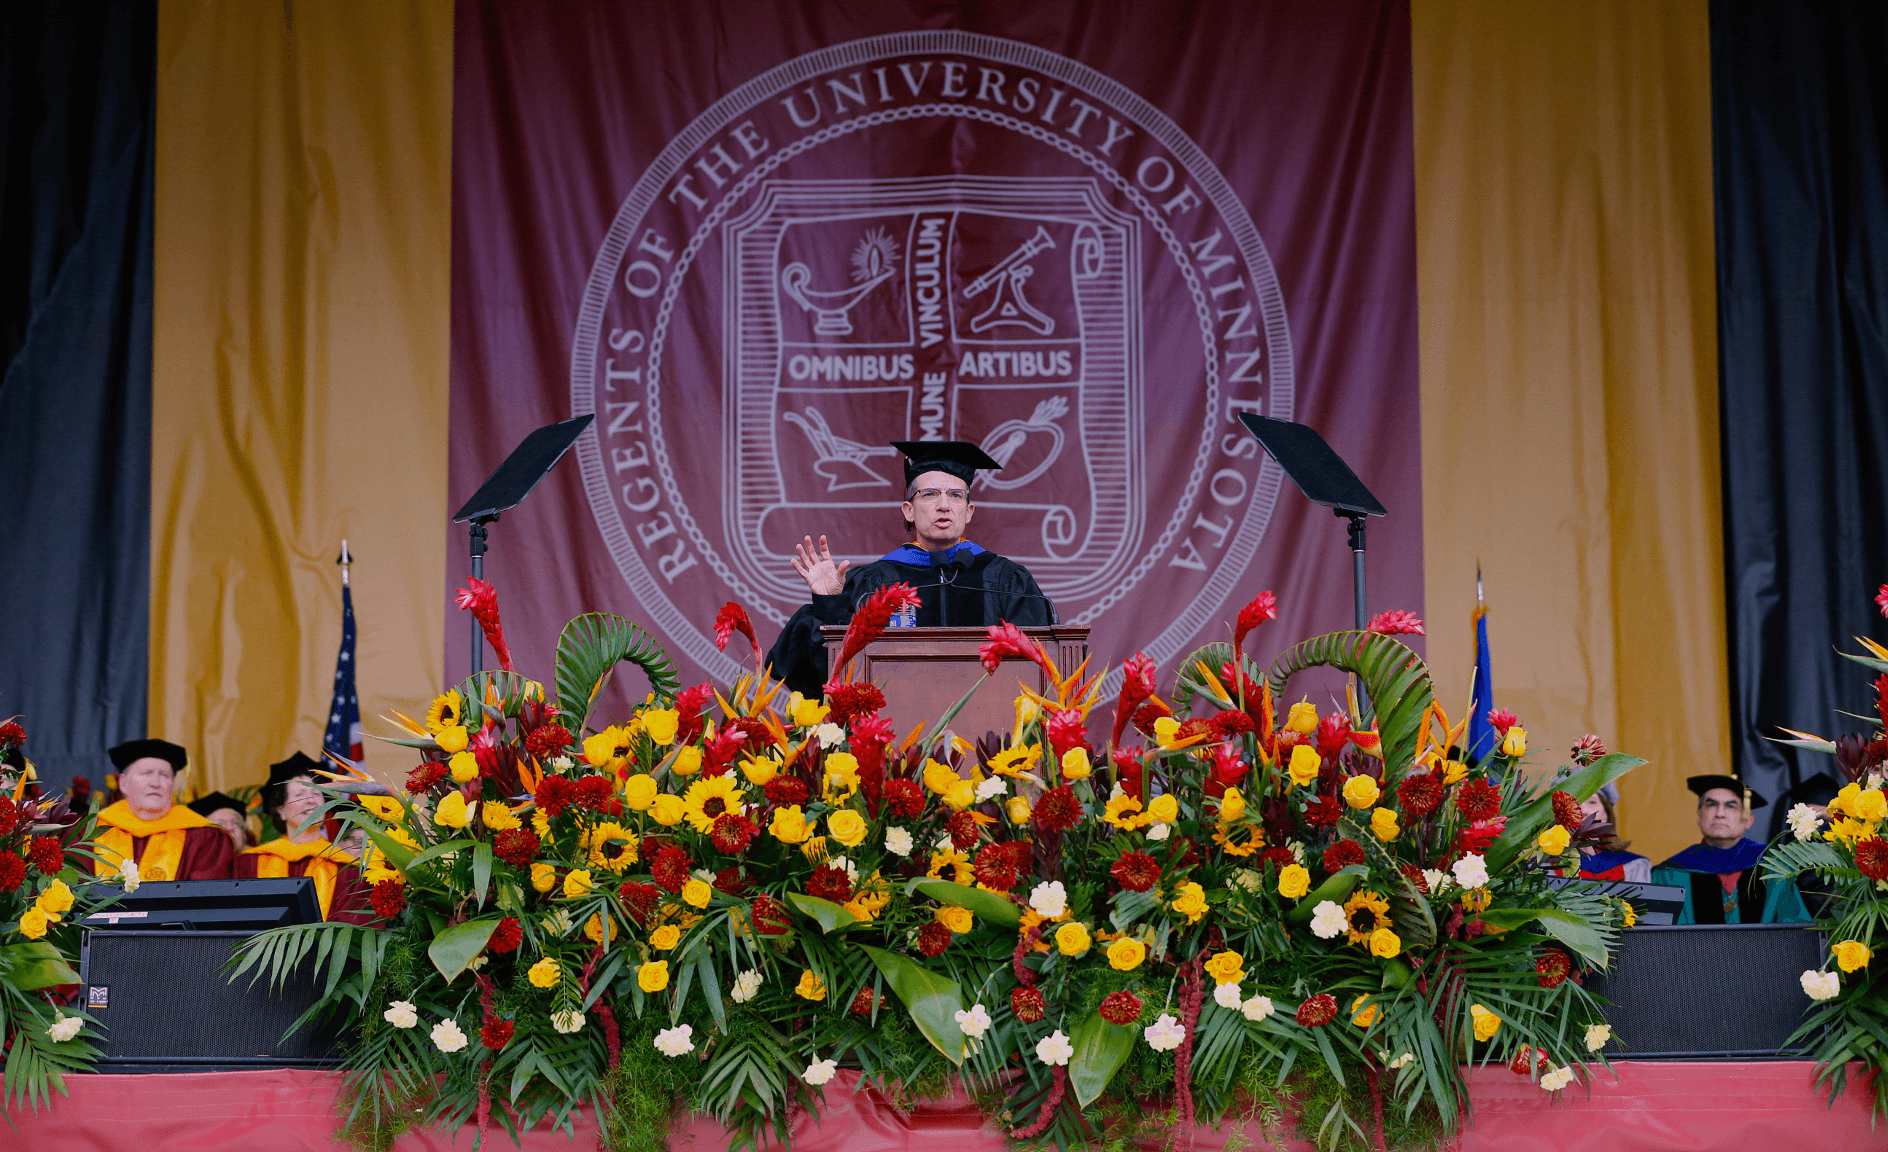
[(660, 724), (384, 807), (1385, 944), (810, 986), (1515, 742), (843, 765), (938, 777), (665, 938), (545, 973), (1126, 954), (452, 811), (639, 791), (1871, 805), (1361, 792), (1293, 881), (57, 898), (1304, 765), (1851, 955), (667, 810), (1362, 1013), (1453, 771), (1486, 1022), (1842, 805), (452, 738), (1303, 718), (1017, 809), (687, 761), (1167, 731), (577, 883), (600, 750), (464, 767), (961, 795), (760, 769), (33, 923), (597, 925), (543, 877), (1072, 939), (1383, 824), (498, 817), (1231, 807), (1191, 902), (1075, 764), (1226, 967), (1553, 841), (807, 713), (789, 825), (957, 919), (1165, 809), (847, 827), (653, 976), (697, 893)]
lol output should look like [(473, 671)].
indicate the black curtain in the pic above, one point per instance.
[(1799, 109), (77, 87)]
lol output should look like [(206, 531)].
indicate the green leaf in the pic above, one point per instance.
[(830, 916), (397, 854), (1338, 888), (591, 647), (459, 945), (1394, 677), (984, 905), (933, 1000), (1528, 820), (1100, 1050), (1507, 919), (436, 851), (1578, 935), (481, 870), (36, 964)]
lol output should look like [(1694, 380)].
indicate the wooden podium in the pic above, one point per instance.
[(923, 671)]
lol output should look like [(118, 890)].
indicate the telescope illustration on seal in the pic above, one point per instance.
[(1010, 306)]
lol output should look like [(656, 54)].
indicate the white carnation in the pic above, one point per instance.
[(128, 873), (1159, 832), (1054, 1048), (447, 1036), (898, 841), (477, 963), (1227, 997), (1164, 1034), (401, 1014), (1804, 822), (558, 923), (676, 1041), (820, 1071), (829, 734), (1597, 1035), (1821, 985), (1328, 920), (561, 763), (746, 986), (1556, 1079), (992, 788), (1437, 880), (1257, 1008), (1471, 871), (568, 1021), (63, 1028), (1048, 899), (974, 1021), (1400, 1061), (1249, 880)]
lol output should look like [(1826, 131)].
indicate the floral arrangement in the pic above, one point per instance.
[(722, 898), (1846, 848)]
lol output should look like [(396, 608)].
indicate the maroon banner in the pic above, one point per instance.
[(761, 242)]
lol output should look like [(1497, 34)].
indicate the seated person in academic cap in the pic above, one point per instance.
[(227, 813), (290, 797), (959, 583), (167, 840), (1723, 875), (1610, 861)]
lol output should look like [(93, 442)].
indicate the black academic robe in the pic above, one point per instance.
[(967, 586)]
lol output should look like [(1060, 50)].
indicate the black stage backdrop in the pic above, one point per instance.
[(77, 83), (1799, 101)]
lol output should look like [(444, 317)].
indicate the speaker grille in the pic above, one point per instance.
[(1708, 990), (164, 1000)]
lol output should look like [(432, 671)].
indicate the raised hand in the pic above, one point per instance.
[(817, 567)]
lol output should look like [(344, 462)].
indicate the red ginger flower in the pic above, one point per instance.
[(1318, 1011), (690, 704), (496, 1033), (1066, 729), (1342, 854), (933, 939), (731, 619), (788, 792), (1552, 968), (870, 621), (1871, 857), (669, 868), (1333, 733), (1137, 684), (516, 846), (1881, 698), (830, 883), (1121, 1008), (1478, 800), (1028, 1005), (903, 799), (1502, 720), (1131, 771), (481, 599), (388, 899), (1420, 794), (46, 854), (1567, 812), (1057, 810), (1881, 598), (12, 872), (1136, 871), (1262, 607), (852, 700), (1396, 622), (1007, 640), (506, 937)]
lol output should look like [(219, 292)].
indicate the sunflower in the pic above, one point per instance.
[(612, 846), (1367, 912), (708, 798), (1239, 839), (446, 711)]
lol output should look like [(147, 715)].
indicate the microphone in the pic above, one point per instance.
[(943, 582)]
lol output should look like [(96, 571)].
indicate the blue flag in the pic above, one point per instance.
[(1482, 737), (343, 737)]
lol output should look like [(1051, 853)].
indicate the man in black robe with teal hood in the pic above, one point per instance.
[(1722, 875), (959, 584)]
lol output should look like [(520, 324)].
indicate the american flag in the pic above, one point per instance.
[(343, 737)]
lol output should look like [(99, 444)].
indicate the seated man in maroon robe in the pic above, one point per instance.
[(291, 798), (166, 839)]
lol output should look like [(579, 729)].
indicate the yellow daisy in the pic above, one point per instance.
[(709, 798), (446, 711), (612, 846), (1367, 912)]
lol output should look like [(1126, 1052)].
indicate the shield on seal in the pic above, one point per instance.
[(1004, 311)]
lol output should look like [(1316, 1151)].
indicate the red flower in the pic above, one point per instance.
[(388, 898), (869, 622), (864, 1002), (496, 1033), (1028, 1005), (1057, 810), (1263, 607), (423, 778), (669, 868), (733, 833), (830, 883), (848, 701), (1478, 800), (516, 846), (639, 899), (731, 881), (11, 735), (506, 937), (689, 705), (9, 815), (770, 916), (1228, 725), (1420, 794), (12, 872), (997, 865), (963, 829), (1881, 598), (1277, 857), (791, 792), (1066, 729), (554, 794), (1132, 772), (1396, 622), (47, 854), (1479, 836), (1342, 854), (731, 619), (933, 939), (593, 792), (1228, 768), (481, 599), (1567, 812), (1415, 877), (1149, 714), (1137, 684), (1333, 733), (1552, 968), (1525, 1059), (1324, 812), (903, 798), (1502, 719), (1588, 748), (1007, 640), (547, 740), (1318, 1011), (1121, 1008), (1136, 872), (1871, 857)]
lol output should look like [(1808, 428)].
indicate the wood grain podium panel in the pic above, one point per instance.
[(923, 671)]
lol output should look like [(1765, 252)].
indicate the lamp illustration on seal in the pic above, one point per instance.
[(873, 262)]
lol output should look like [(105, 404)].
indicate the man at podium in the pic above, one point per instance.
[(959, 583)]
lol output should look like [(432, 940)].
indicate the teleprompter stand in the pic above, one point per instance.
[(1324, 478), (528, 463)]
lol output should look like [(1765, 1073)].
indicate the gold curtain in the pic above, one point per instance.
[(1569, 394), (300, 383)]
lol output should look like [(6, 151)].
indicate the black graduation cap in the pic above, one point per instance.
[(132, 751), (1703, 784), (300, 764), (1818, 789), (960, 458), (216, 802)]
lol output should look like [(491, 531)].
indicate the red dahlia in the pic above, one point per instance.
[(850, 700), (830, 883), (1136, 872), (732, 834), (1121, 1008), (424, 777), (1871, 857), (593, 792), (1478, 800), (389, 899), (1318, 1011), (47, 854), (770, 916), (1567, 812), (1415, 877), (547, 740), (669, 868), (11, 734), (554, 794), (1057, 810), (1588, 748), (1342, 854), (997, 866), (864, 1002), (933, 939), (1553, 967), (12, 872), (1147, 714), (903, 799), (496, 1033), (640, 899), (1028, 1005), (516, 846), (506, 937), (731, 881), (1227, 725), (963, 829), (1324, 812), (1420, 793), (9, 815), (1277, 857), (787, 792)]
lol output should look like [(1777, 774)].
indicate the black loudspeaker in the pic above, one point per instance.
[(167, 1007), (1697, 990)]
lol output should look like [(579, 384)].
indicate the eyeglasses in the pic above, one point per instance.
[(943, 495)]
